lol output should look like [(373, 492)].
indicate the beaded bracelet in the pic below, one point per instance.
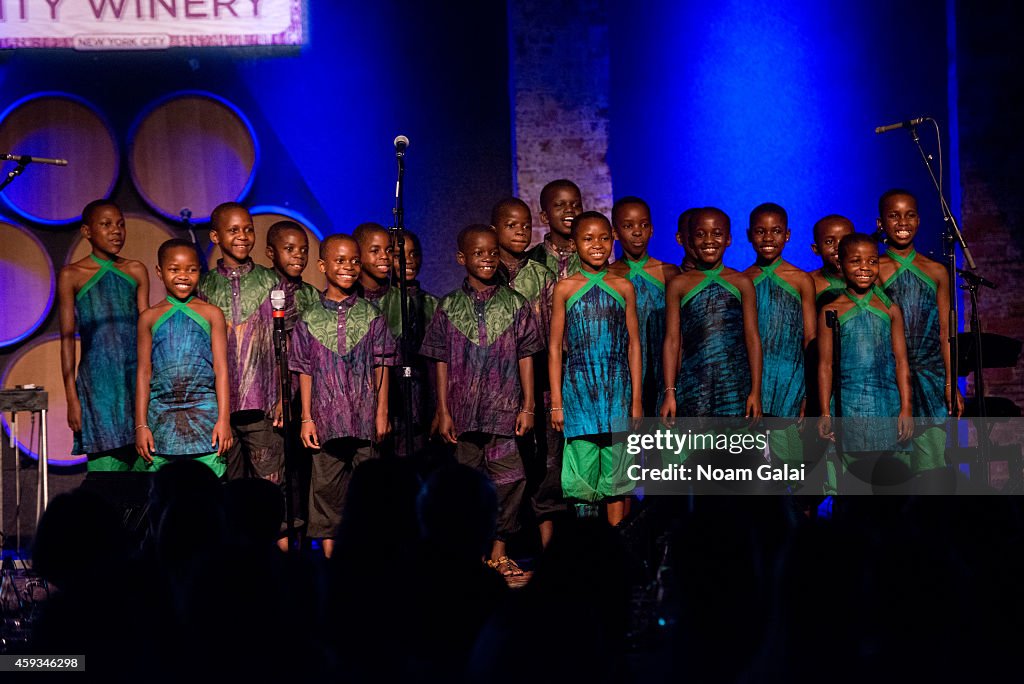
[(550, 410), (306, 420)]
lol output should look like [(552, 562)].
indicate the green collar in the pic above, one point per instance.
[(863, 304), (713, 275), (768, 273), (182, 306), (636, 270), (106, 266), (594, 280), (907, 263)]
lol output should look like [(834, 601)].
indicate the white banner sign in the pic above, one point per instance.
[(149, 24)]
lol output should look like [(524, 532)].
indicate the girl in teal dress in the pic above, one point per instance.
[(101, 296), (921, 288), (711, 313), (874, 376), (631, 219), (594, 319), (183, 402)]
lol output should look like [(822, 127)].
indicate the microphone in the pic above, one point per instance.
[(401, 142), (24, 159), (902, 124), (277, 304)]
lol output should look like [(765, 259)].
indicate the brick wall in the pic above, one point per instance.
[(989, 62), (559, 83)]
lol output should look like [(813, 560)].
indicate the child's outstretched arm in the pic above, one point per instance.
[(138, 271), (899, 351), (670, 348), (66, 313), (525, 417), (307, 431), (809, 310), (752, 337), (380, 381), (555, 355), (222, 438), (445, 425), (144, 444), (635, 355), (824, 378)]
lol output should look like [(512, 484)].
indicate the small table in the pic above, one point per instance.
[(34, 400)]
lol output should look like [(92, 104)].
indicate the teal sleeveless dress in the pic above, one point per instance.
[(650, 312), (714, 378), (596, 385), (867, 372), (107, 313), (780, 320), (915, 292), (182, 391)]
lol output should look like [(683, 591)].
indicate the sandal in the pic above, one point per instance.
[(506, 566)]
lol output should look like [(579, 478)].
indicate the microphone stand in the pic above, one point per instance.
[(186, 220), (281, 351), (972, 281), (952, 236), (23, 162), (405, 341)]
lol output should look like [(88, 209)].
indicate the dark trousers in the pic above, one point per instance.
[(498, 457), (542, 454), (328, 486), (258, 450)]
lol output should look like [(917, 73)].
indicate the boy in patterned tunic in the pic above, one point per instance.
[(339, 348), (560, 202), (542, 449), (483, 337), (241, 288)]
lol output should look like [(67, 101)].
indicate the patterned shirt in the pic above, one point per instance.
[(536, 283), (562, 262), (482, 335), (338, 344), (298, 296), (243, 295)]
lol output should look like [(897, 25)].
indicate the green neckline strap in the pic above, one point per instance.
[(636, 268), (834, 285), (106, 266), (182, 306), (862, 304), (907, 263), (594, 280), (713, 275), (768, 273)]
